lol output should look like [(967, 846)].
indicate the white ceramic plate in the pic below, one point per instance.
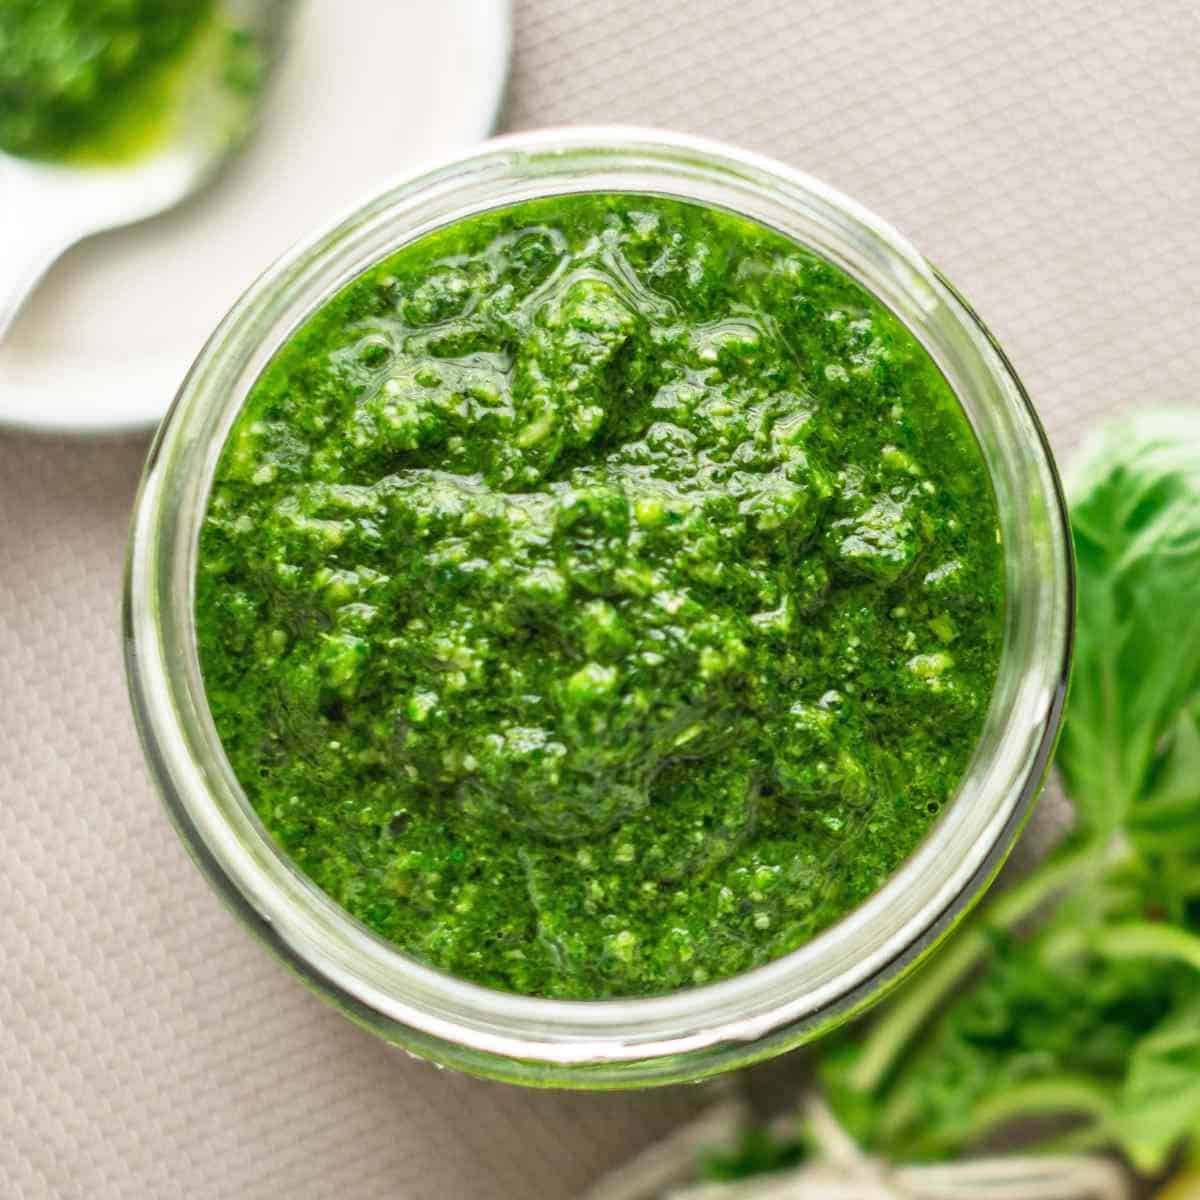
[(365, 89)]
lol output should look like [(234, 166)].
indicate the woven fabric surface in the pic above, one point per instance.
[(1044, 155)]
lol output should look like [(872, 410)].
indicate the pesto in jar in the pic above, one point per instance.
[(600, 596)]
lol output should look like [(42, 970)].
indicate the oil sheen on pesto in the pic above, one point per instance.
[(600, 596)]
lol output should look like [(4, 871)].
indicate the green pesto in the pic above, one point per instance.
[(600, 596), (77, 75)]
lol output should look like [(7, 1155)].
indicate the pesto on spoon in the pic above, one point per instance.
[(112, 111)]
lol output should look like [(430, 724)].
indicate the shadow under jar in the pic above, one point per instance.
[(698, 1030)]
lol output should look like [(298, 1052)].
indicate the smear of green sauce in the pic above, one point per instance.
[(96, 81), (600, 596)]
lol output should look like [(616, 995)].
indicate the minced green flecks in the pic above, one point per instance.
[(600, 596)]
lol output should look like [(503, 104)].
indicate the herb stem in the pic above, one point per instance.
[(1042, 1097), (1148, 939)]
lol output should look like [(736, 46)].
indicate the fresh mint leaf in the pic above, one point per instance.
[(1167, 818), (1135, 513)]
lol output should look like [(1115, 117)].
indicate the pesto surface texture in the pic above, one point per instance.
[(69, 69), (600, 596)]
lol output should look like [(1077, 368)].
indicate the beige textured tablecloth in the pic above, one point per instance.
[(1046, 153)]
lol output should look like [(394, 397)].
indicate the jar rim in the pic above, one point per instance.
[(627, 1041)]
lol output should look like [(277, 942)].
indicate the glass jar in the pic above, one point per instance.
[(626, 1042)]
